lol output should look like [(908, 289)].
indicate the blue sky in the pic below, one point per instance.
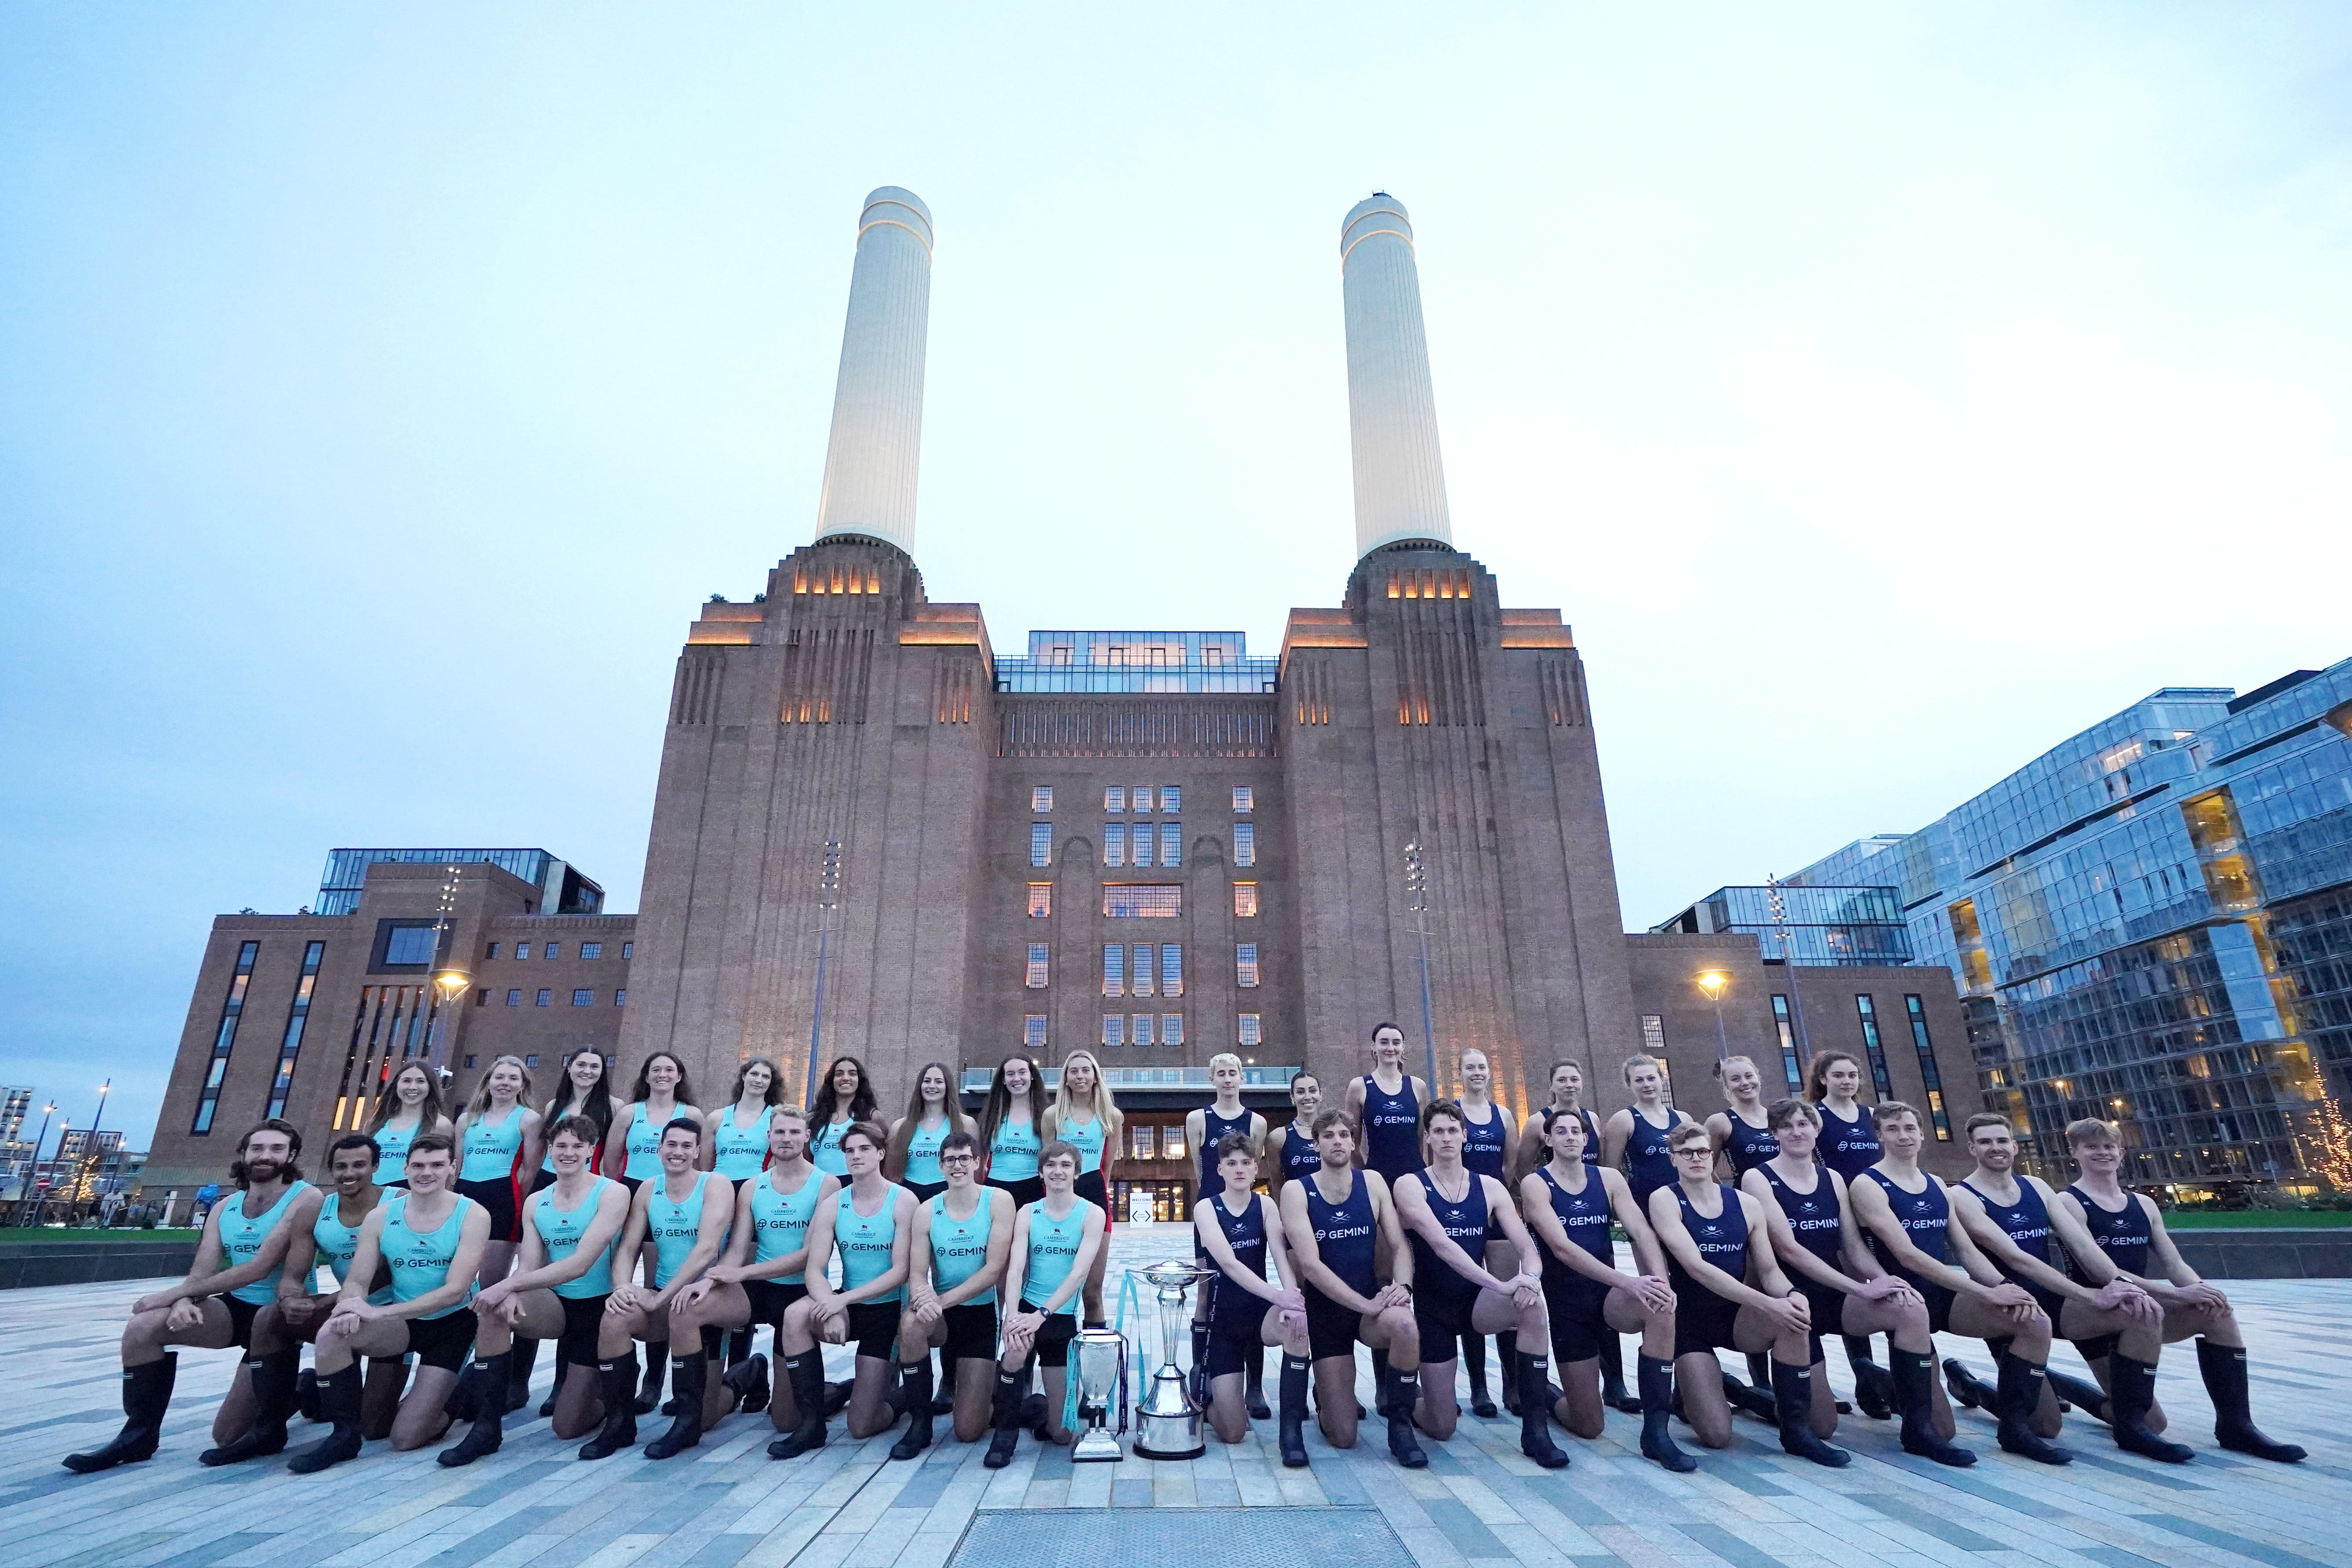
[(1883, 392)]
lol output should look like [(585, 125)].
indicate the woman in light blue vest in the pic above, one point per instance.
[(869, 1226), (498, 1145), (912, 1159), (1055, 1241), (737, 1144), (409, 1107), (844, 1099)]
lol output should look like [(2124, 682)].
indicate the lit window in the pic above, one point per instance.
[(583, 998), (1872, 1046), (1141, 965), (1172, 1028), (621, 998), (531, 1060), (1172, 798), (514, 998), (1654, 1033), (1791, 1072), (1171, 1142), (1245, 899), (1928, 1076), (1248, 1032), (628, 950), (1114, 1031), (1246, 963), (1171, 969), (289, 1046), (1041, 844), (592, 949), (1143, 901), (1141, 1028), (1114, 798), (1140, 798), (1113, 974), (1041, 799), (1033, 1031), (522, 950), (555, 950), (1245, 844), (1241, 797), (1146, 1142), (545, 998), (1040, 899), (1171, 844), (1038, 967), (225, 1037), (493, 952), (1115, 845)]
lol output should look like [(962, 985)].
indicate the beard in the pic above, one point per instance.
[(261, 1169)]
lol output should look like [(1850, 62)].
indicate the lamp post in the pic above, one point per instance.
[(1714, 983), (1416, 889), (1778, 907), (828, 896)]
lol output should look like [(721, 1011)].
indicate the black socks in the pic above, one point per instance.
[(491, 1376), (1010, 1389), (1293, 1396), (690, 1379), (2014, 1402), (1474, 1361), (2224, 1371), (1400, 1392), (1913, 1373), (339, 1400), (1658, 1382), (1792, 1390)]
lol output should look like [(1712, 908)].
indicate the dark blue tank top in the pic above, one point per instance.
[(1812, 1217), (1345, 1237), (1747, 1147), (1299, 1157), (1849, 1148), (2027, 1220), (1482, 1147), (1924, 1217), (1722, 1241), (1245, 1234), (1468, 1223), (1591, 1137), (1648, 1166), (1584, 1214), (1212, 1128), (2123, 1236), (1391, 1129)]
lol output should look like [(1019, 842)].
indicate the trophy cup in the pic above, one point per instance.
[(1099, 1359), (1168, 1422)]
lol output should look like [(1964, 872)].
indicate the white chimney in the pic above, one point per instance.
[(871, 462), (1391, 412)]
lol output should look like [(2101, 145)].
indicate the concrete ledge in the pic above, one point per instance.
[(2267, 1254), (25, 1264)]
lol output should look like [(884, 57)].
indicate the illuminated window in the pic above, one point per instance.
[(1140, 1028), (1114, 798), (1041, 798), (1654, 1033), (628, 950), (1041, 844), (1248, 1032), (1033, 1031), (522, 950), (1141, 963), (1927, 1073), (1171, 1142), (514, 998), (1171, 969), (1140, 798), (225, 1037), (1039, 968), (1114, 1031), (1879, 1077), (493, 952), (1144, 1143), (1790, 1070), (1245, 844), (1114, 970), (1245, 899), (1242, 797), (1172, 798), (1040, 899), (1115, 845), (1246, 963), (1143, 901), (1171, 844), (621, 998), (1172, 1028), (555, 950), (289, 1047), (545, 998)]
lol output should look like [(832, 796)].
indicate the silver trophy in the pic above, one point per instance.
[(1100, 1357), (1168, 1422)]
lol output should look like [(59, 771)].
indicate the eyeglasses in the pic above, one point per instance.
[(955, 1159)]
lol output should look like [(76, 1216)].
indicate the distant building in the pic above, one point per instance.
[(1810, 925)]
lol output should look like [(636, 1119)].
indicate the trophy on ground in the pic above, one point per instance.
[(1099, 1360), (1168, 1422)]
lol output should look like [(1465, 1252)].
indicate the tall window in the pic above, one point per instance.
[(1248, 1032), (1171, 969), (1246, 963), (1115, 845), (1172, 798), (1145, 1143), (1141, 963), (1172, 1028), (1039, 968), (555, 950), (1114, 1031), (1242, 797), (514, 998), (1041, 844), (1040, 899), (1140, 798), (628, 950), (225, 1037), (1115, 968), (290, 1046), (1140, 1029), (1789, 1070), (1871, 1046), (1245, 899), (1143, 901), (1917, 1009), (1041, 798), (1245, 844), (1033, 1032), (493, 951), (1653, 1034), (522, 950), (1114, 797), (621, 998)]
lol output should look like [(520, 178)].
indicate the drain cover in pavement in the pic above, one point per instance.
[(1092, 1537)]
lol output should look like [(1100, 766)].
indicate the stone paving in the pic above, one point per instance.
[(848, 1506)]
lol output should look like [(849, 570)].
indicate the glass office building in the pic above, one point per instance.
[(1810, 925), (1137, 661), (2152, 924)]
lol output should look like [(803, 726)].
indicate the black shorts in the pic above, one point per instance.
[(873, 1329), (444, 1342), (1089, 1186), (1231, 1346), (925, 1191), (769, 1298), (1444, 1319), (1027, 1190), (1580, 1322), (498, 1196), (584, 1316), (1332, 1329), (632, 1183), (1939, 1302), (2051, 1301), (1703, 1319), (1826, 1303), (241, 1314), (545, 1178), (1052, 1345), (972, 1331)]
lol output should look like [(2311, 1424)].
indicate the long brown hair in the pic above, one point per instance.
[(998, 1107), (775, 1094), (682, 1095), (894, 1157), (1817, 1075), (824, 1106), (596, 1105), (430, 1111)]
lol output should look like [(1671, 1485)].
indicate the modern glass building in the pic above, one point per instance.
[(564, 891), (1137, 661), (1809, 924), (2152, 923)]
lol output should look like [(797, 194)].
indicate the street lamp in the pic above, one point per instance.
[(1714, 983), (1416, 889)]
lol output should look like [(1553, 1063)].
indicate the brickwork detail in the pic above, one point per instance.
[(1135, 727)]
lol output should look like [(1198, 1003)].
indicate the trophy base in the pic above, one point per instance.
[(1096, 1447), (1170, 1437)]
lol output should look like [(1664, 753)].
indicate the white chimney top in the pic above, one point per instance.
[(1392, 412), (872, 461)]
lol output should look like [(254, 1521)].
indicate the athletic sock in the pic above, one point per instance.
[(1792, 1393), (1913, 1373), (1535, 1414), (1293, 1410), (146, 1395)]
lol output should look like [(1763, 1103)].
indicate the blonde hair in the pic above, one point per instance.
[(480, 1103), (1105, 1108), (1221, 1059)]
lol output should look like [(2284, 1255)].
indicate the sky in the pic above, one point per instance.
[(1882, 394)]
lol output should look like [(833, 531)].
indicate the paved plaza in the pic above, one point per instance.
[(848, 1506)]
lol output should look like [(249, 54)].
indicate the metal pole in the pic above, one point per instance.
[(92, 1154), (1428, 1029), (1416, 884), (1722, 1041), (32, 1170), (828, 892), (41, 1200)]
